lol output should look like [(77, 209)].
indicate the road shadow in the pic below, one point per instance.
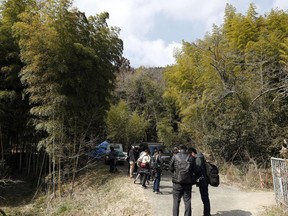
[(233, 213), (166, 186), (166, 192)]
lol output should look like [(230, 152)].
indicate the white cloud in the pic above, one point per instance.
[(133, 17), (281, 4), (137, 21), (149, 53)]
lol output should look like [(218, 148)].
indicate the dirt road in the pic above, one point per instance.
[(225, 200)]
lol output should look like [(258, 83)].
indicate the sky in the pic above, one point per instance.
[(152, 30)]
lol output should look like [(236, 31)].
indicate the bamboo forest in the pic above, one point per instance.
[(65, 86)]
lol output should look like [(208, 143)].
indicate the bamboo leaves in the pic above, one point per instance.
[(228, 86)]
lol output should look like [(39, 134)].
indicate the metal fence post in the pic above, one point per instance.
[(280, 180)]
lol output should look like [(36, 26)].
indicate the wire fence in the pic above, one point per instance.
[(280, 180)]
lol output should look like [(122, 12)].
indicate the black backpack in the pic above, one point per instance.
[(155, 163), (212, 172), (183, 173)]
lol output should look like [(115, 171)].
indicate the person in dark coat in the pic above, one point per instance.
[(202, 180), (157, 170), (112, 157), (181, 189)]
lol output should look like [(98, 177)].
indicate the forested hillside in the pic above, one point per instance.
[(230, 88), (65, 86)]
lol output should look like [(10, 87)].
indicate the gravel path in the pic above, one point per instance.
[(225, 200)]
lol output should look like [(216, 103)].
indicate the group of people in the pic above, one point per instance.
[(150, 166)]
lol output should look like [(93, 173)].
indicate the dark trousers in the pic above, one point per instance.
[(205, 199), (128, 171), (112, 165), (157, 180), (144, 176), (179, 191)]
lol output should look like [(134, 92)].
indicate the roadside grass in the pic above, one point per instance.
[(247, 176), (274, 211), (97, 192)]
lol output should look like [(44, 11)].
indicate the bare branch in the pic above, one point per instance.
[(6, 181), (267, 91)]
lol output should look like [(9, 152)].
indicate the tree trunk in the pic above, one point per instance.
[(41, 169), (29, 158), (1, 144), (59, 176), (74, 167)]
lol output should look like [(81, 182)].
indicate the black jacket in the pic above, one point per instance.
[(200, 171), (131, 155), (173, 165)]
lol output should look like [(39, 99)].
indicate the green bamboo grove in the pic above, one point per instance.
[(65, 83)]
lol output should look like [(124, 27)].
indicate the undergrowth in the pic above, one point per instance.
[(97, 192), (247, 176), (275, 211)]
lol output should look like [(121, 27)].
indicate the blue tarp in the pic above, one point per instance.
[(99, 151), (103, 144)]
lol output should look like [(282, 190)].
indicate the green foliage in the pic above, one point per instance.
[(142, 90), (70, 65), (62, 209), (116, 120), (136, 127), (125, 126), (166, 133), (14, 127), (227, 92), (57, 70), (229, 89)]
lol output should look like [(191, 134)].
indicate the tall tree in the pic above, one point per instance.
[(71, 62), (125, 126), (14, 130), (142, 89), (228, 88)]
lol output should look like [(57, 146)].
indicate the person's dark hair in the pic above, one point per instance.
[(160, 150), (192, 150), (111, 148), (142, 147), (182, 147)]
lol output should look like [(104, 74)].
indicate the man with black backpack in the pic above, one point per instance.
[(202, 180), (182, 166)]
